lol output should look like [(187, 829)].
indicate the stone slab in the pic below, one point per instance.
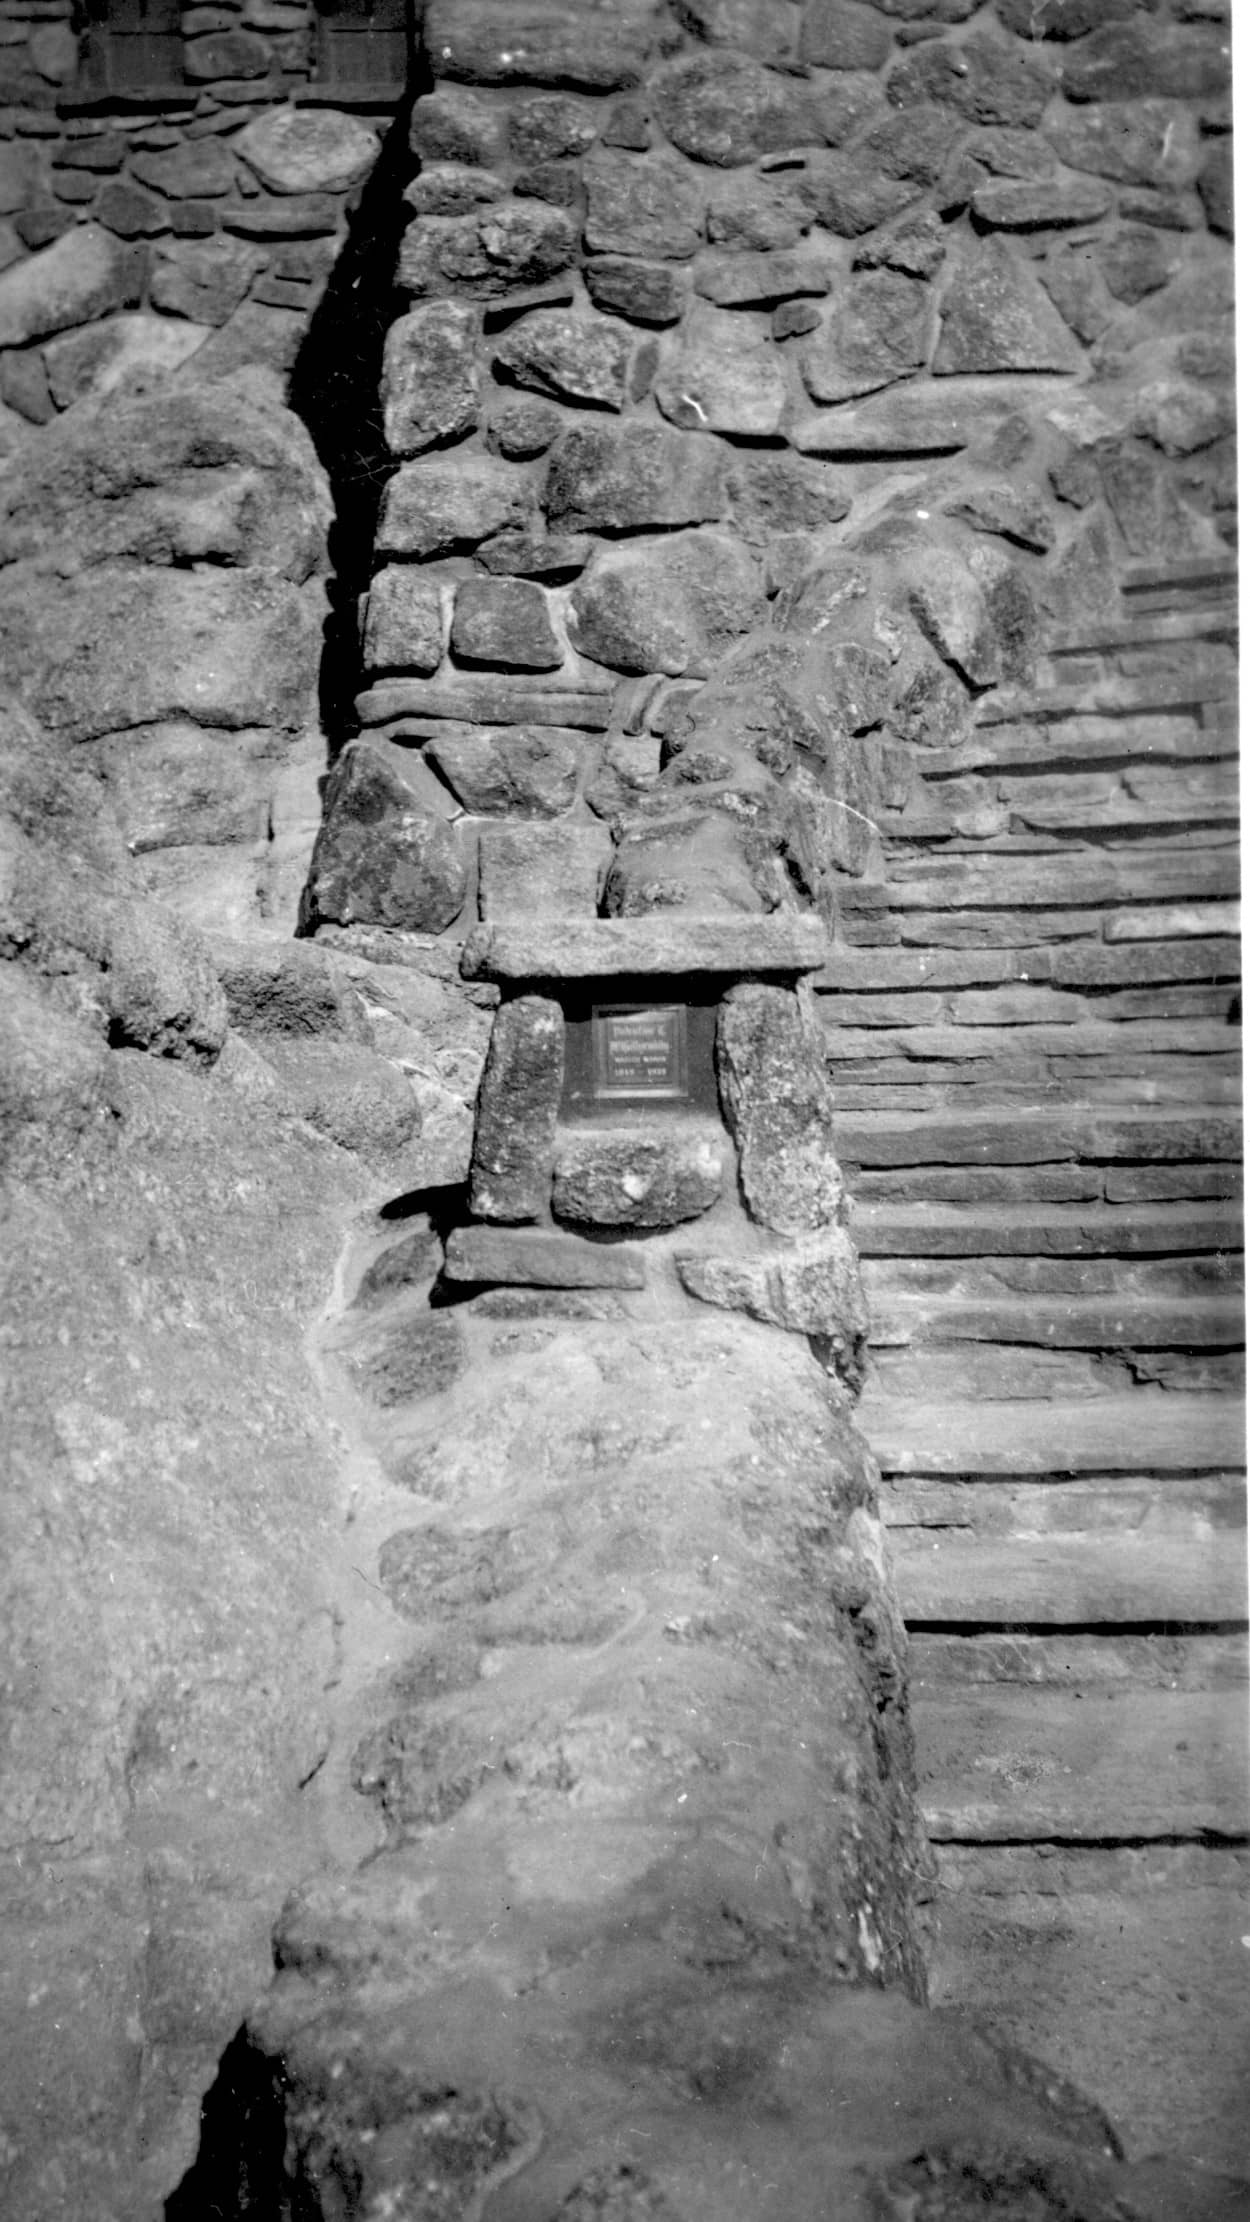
[(1069, 1581), (486, 702), (521, 1257), (1060, 1323), (1160, 1433), (1035, 1137), (566, 949), (952, 1230)]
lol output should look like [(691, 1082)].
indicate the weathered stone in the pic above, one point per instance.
[(950, 609), (505, 622), (294, 989), (637, 1177), (380, 857), (597, 46), (83, 275), (549, 126), (307, 150), (528, 1258), (542, 871), (1061, 19), (430, 382), (478, 698), (645, 292), (226, 54), (984, 79), (849, 195), (1135, 261), (204, 280), (1136, 142), (654, 947), (770, 1062), (438, 505), (838, 35), (927, 11), (668, 605), (527, 770), (451, 124), (1126, 61), (1215, 186), (536, 555), (879, 329), (520, 429), (795, 318), (756, 214), (608, 480), (812, 1288), (628, 768), (779, 493), (453, 189), (360, 1100), (766, 29), (97, 358), (404, 627), (199, 169), (711, 382), (397, 1365), (650, 209), (16, 178), (1004, 509), (916, 245), (704, 860), (996, 317), (514, 243), (1030, 204), (515, 1134), (24, 385), (723, 109), (569, 356), (1073, 278), (745, 280)]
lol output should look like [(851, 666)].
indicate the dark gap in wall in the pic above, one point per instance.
[(336, 388), (239, 2169)]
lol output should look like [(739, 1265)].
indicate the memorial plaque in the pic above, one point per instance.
[(640, 1052)]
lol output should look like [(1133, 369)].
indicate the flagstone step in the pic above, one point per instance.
[(1149, 1431), (1043, 1229), (1036, 1136)]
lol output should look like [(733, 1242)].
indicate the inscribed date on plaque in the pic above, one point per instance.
[(639, 1050)]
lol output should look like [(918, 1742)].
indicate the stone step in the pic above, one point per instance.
[(1018, 929), (1089, 1038), (1036, 1136), (930, 1185), (1165, 1082), (949, 1230), (1138, 1323), (1141, 1506), (987, 1373), (1164, 1576), (1031, 1005), (1081, 742), (1149, 629), (1009, 1765), (1197, 1275), (1115, 694), (1066, 880), (1150, 1432), (1083, 964), (941, 1663)]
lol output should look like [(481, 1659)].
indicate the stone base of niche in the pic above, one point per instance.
[(533, 1257), (561, 949)]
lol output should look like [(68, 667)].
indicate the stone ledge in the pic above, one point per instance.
[(526, 1257), (642, 948)]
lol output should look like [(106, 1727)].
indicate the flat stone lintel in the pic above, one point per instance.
[(641, 948), (486, 701), (529, 1257)]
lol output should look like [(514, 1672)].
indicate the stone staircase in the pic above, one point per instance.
[(1032, 1011)]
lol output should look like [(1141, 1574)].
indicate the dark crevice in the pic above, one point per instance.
[(1109, 1628), (239, 2168)]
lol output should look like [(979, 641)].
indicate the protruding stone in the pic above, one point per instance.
[(514, 1137), (597, 45), (380, 857), (528, 1258), (441, 504), (628, 768), (1031, 204), (1136, 142), (512, 245), (723, 109), (667, 605), (756, 214), (697, 860), (1215, 187), (536, 555), (519, 429), (308, 150), (453, 189), (505, 622), (655, 947), (915, 420), (770, 1062), (484, 698), (605, 480), (452, 124), (838, 35), (996, 317), (421, 1358), (812, 1288), (712, 382), (950, 609), (1006, 510), (204, 279), (430, 382), (542, 871), (403, 628), (849, 194), (985, 79), (878, 330), (654, 1176), (572, 357), (645, 292), (758, 280), (530, 771), (82, 275), (550, 125), (650, 209)]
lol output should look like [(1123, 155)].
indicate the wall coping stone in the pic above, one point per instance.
[(748, 946)]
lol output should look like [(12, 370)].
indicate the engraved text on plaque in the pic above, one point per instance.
[(640, 1050)]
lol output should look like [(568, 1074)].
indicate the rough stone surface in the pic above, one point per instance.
[(995, 317), (91, 362), (779, 1105), (651, 209), (514, 1137), (711, 382), (628, 1177), (838, 35), (609, 480), (1125, 61), (597, 46), (435, 506), (404, 626), (84, 274), (646, 948), (645, 292), (879, 329), (668, 605), (542, 871), (985, 79), (812, 1288), (570, 357), (308, 150), (1031, 204), (531, 770), (1135, 142), (204, 279), (698, 860), (494, 251), (452, 124), (522, 428), (505, 622), (430, 379), (723, 109), (380, 857), (532, 1258)]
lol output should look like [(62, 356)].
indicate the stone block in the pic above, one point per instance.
[(228, 54), (635, 1176), (697, 860), (645, 292), (198, 169), (996, 317), (532, 1258), (1135, 142), (745, 280), (772, 494), (452, 124), (1033, 204), (536, 555), (1135, 261), (442, 504), (403, 626), (204, 280), (812, 1288), (984, 78), (838, 35), (628, 768), (1215, 186), (1001, 508), (83, 275), (1129, 61), (595, 45), (98, 357), (601, 479), (381, 857), (398, 1364), (453, 189), (506, 622), (770, 1063), (550, 125), (501, 249), (515, 1133), (655, 947), (756, 214), (650, 209), (669, 605), (714, 380), (849, 194), (523, 769), (568, 356), (307, 150), (726, 110), (474, 698), (1061, 19), (522, 428), (542, 871), (879, 330), (430, 382)]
